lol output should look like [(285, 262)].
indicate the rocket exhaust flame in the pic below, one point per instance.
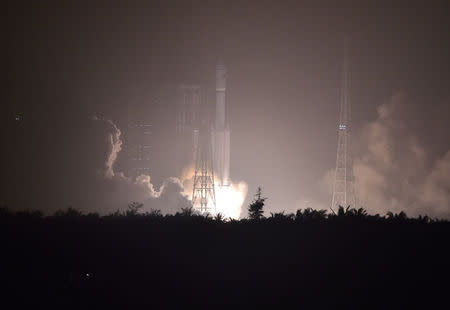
[(229, 198)]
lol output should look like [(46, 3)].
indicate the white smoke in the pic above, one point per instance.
[(170, 197), (115, 144), (435, 193), (393, 170)]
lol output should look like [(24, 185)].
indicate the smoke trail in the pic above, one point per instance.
[(393, 170), (170, 197), (115, 144), (116, 147), (435, 194)]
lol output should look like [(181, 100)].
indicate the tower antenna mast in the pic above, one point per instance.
[(343, 190)]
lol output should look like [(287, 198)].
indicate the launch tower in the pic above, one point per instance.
[(203, 194), (343, 191)]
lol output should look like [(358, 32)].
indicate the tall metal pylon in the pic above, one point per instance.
[(343, 190), (203, 193)]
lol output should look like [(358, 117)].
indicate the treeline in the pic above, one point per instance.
[(255, 213), (347, 214), (308, 259)]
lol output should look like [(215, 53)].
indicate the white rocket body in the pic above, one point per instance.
[(221, 131)]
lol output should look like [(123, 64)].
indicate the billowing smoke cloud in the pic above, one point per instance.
[(169, 199), (436, 189), (77, 164), (393, 170), (116, 147)]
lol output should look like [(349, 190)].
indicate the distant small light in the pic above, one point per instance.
[(18, 117), (342, 127)]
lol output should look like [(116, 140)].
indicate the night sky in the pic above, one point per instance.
[(67, 62)]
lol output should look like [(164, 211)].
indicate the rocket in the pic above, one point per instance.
[(221, 130)]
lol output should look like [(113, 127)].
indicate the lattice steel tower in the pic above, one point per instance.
[(343, 190), (203, 193)]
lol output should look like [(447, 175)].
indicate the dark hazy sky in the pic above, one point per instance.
[(66, 61)]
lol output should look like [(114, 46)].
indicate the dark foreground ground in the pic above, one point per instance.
[(88, 262)]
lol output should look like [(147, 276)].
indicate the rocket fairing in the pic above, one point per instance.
[(221, 130)]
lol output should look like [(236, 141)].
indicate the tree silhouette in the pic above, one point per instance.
[(133, 208), (69, 212), (30, 213), (4, 211), (255, 209), (310, 214), (361, 213), (187, 212), (156, 213), (219, 218)]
